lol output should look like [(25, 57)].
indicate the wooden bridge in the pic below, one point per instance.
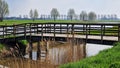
[(95, 32)]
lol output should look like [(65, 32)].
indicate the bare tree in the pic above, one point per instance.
[(71, 13), (83, 16), (54, 13), (92, 16), (33, 14), (3, 9)]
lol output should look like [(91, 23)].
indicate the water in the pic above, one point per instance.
[(61, 55), (93, 49)]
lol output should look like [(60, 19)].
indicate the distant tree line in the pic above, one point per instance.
[(71, 15), (55, 15)]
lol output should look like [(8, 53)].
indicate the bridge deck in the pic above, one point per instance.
[(110, 38)]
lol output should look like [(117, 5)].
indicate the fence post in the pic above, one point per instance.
[(54, 32), (60, 29), (42, 32), (25, 30), (118, 33), (30, 44), (14, 31), (38, 49), (86, 33), (101, 34), (67, 32), (3, 32)]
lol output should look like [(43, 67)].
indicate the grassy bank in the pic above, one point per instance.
[(109, 58)]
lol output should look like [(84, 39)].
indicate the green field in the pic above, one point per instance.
[(109, 58), (11, 22)]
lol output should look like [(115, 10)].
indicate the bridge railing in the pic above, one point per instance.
[(7, 31)]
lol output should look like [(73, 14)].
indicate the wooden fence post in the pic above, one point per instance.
[(102, 34), (86, 33), (67, 32), (14, 32), (38, 50), (118, 33), (54, 32), (42, 32), (30, 43), (25, 30)]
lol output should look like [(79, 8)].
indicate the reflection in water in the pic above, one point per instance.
[(64, 54)]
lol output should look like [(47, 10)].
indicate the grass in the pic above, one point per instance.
[(24, 42), (109, 58), (1, 46), (11, 22)]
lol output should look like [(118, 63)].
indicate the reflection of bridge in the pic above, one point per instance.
[(93, 32)]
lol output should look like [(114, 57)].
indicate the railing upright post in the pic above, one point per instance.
[(67, 32), (89, 29), (38, 49), (30, 44), (60, 29), (101, 34), (3, 32), (42, 32), (37, 28), (86, 33), (54, 31), (104, 30), (25, 30), (14, 31), (6, 30), (118, 33)]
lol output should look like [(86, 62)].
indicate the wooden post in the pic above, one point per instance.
[(83, 29), (30, 44), (30, 50), (67, 32), (104, 30), (3, 33), (37, 28), (45, 28), (50, 28), (89, 29), (101, 34), (60, 29), (118, 33), (25, 30), (54, 32), (38, 50), (73, 35), (6, 30), (42, 32), (14, 31), (86, 33)]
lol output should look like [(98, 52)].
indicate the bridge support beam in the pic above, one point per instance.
[(38, 50), (30, 49)]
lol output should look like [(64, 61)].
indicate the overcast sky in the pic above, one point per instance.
[(22, 7)]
